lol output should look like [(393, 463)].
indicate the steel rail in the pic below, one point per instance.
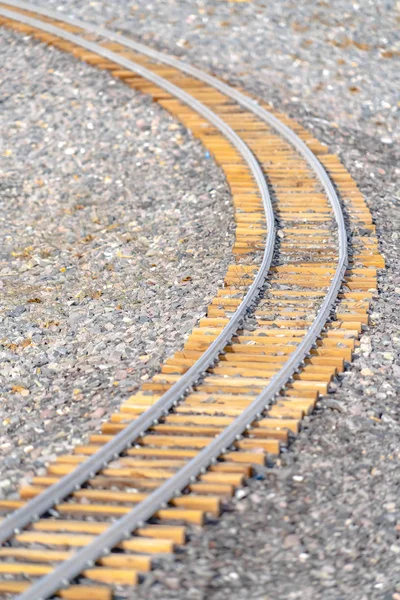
[(122, 528), (37, 506)]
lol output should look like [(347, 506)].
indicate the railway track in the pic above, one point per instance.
[(274, 336)]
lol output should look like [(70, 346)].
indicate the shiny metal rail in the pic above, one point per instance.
[(122, 528), (37, 506)]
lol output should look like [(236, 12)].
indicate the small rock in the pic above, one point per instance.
[(304, 556), (255, 498), (17, 311), (172, 583), (335, 405), (242, 493), (290, 541), (98, 413), (366, 372)]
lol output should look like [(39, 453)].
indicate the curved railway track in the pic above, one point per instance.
[(272, 340)]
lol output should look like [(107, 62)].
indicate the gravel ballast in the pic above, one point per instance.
[(116, 232), (326, 522)]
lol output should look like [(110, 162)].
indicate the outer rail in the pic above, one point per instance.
[(66, 571)]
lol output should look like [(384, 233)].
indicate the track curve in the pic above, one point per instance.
[(185, 372)]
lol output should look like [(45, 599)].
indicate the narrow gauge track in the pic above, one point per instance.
[(248, 377)]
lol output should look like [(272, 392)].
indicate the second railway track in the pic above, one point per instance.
[(247, 374)]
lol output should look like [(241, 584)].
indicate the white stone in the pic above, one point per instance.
[(366, 372)]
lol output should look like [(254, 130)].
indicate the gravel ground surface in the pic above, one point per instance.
[(326, 524), (114, 239)]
